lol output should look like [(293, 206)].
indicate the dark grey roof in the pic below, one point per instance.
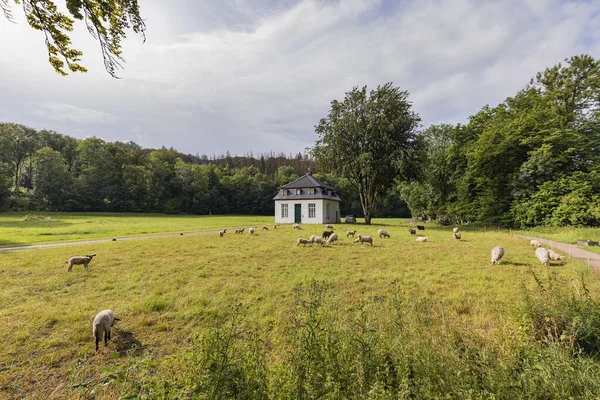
[(304, 183)]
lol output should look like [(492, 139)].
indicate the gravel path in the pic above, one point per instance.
[(572, 249)]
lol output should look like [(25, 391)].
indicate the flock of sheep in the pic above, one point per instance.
[(105, 320)]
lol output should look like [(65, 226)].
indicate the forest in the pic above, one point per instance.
[(532, 160)]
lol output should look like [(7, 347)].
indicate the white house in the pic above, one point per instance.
[(307, 200)]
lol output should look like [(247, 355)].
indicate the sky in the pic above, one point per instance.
[(257, 75)]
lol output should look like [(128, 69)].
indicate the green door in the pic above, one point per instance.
[(297, 213)]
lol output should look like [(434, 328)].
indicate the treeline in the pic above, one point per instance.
[(532, 160), (44, 170)]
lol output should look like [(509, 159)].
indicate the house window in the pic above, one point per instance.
[(298, 191), (312, 210), (284, 211), (285, 192), (311, 191)]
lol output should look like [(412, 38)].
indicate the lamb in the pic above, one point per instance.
[(332, 238), (303, 242), (420, 227), (455, 230), (329, 226), (80, 260), (326, 234), (101, 327), (497, 254), (412, 231), (221, 233), (251, 230), (350, 233), (555, 256), (264, 228), (361, 239), (456, 235), (535, 243), (296, 226), (383, 233), (543, 255), (422, 239)]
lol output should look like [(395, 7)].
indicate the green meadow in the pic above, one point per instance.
[(255, 316)]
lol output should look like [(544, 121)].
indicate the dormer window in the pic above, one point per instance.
[(285, 192), (311, 191), (298, 191)]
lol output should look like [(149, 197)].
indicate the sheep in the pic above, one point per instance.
[(274, 226), (101, 327), (319, 240), (303, 242), (422, 239), (80, 260), (412, 231), (332, 238), (383, 233), (420, 227), (264, 228), (221, 233), (350, 233), (326, 234), (455, 230), (296, 226), (456, 235), (251, 230), (239, 230), (497, 254), (329, 226), (535, 243), (555, 256), (543, 255), (361, 239)]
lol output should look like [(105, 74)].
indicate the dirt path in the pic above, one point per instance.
[(571, 249), (161, 235)]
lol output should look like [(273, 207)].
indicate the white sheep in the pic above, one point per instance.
[(319, 240), (251, 230), (456, 235), (362, 239), (422, 239), (296, 226), (239, 230), (350, 233), (312, 238), (543, 255), (329, 226), (383, 233), (80, 260), (332, 238), (555, 256), (455, 230), (497, 254), (303, 242), (221, 233), (535, 243), (101, 327)]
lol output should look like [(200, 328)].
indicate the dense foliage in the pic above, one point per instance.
[(534, 159), (54, 172)]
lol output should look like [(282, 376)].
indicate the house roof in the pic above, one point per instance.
[(304, 183)]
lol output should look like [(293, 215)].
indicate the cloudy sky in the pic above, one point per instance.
[(257, 75)]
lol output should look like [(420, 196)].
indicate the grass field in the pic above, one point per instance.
[(249, 316)]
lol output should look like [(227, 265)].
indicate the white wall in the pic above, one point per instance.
[(333, 207), (320, 211)]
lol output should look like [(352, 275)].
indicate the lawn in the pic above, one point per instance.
[(179, 297)]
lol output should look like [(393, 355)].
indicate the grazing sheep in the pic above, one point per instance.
[(319, 240), (361, 239), (296, 226), (251, 230), (101, 327), (350, 233), (80, 260), (420, 227), (274, 226), (329, 226), (312, 238), (535, 243), (332, 238), (239, 230), (422, 239), (497, 254), (543, 255), (383, 233), (264, 228), (326, 234), (455, 230), (303, 242), (412, 231), (555, 256), (456, 235), (221, 233)]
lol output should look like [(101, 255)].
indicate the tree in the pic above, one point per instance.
[(106, 20), (371, 139), (51, 179)]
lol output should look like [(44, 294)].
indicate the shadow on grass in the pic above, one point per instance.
[(127, 343)]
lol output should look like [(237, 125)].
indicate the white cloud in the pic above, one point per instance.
[(242, 76)]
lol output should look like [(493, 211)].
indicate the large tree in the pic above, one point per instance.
[(371, 139), (106, 20)]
